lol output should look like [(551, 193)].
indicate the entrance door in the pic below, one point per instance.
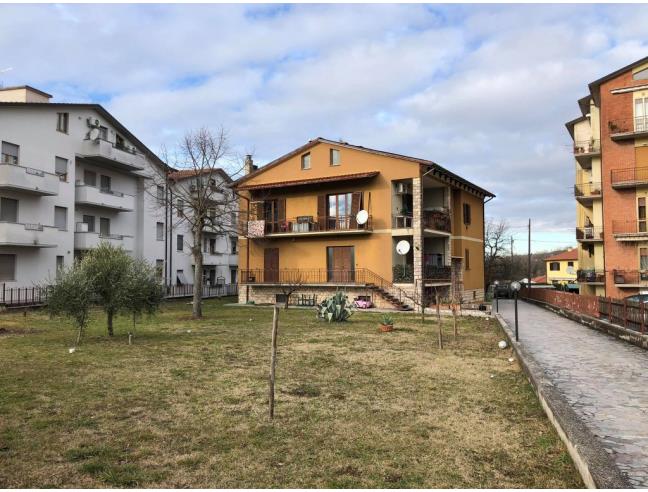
[(340, 263), (271, 265)]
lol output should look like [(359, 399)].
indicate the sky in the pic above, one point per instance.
[(484, 90)]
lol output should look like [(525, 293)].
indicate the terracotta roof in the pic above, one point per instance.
[(542, 279), (571, 254), (432, 166), (186, 173), (300, 182)]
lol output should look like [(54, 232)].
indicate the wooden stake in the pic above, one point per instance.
[(273, 358), (454, 319), (438, 310)]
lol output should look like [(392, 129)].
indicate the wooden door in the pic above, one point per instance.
[(340, 264), (271, 265)]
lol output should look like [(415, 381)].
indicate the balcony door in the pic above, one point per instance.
[(340, 264), (338, 211), (104, 226), (271, 264), (274, 214)]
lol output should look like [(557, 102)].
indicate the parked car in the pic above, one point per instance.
[(502, 290), (642, 298)]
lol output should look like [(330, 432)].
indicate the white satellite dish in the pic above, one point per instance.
[(362, 217), (402, 247), (94, 134), (570, 270)]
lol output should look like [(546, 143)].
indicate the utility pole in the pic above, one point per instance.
[(529, 258)]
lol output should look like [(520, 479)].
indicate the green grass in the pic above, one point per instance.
[(355, 407)]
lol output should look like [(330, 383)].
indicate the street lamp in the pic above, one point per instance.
[(515, 287), (496, 283)]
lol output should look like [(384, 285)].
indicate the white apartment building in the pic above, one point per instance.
[(72, 176)]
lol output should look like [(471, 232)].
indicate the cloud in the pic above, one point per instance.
[(482, 89)]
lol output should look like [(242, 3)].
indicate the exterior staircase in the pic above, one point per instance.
[(396, 296), (399, 304)]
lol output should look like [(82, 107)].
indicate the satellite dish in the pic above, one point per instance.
[(94, 134), (402, 247), (362, 217), (570, 270)]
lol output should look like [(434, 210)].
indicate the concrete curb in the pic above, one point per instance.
[(594, 464), (616, 331)]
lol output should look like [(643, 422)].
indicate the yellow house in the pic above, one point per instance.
[(562, 267), (383, 227)]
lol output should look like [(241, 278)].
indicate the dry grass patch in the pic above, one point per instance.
[(355, 408)]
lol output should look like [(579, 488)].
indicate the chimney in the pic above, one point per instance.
[(23, 94), (249, 166)]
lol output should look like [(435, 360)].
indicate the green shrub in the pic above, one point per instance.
[(336, 308), (387, 319)]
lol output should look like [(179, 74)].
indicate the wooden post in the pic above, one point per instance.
[(438, 310), (273, 358), (422, 301), (454, 319), (641, 317), (625, 313)]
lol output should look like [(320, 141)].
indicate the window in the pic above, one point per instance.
[(233, 275), (233, 218), (7, 267), (233, 245), (8, 210), (105, 183), (159, 268), (180, 242), (305, 161), (160, 193), (467, 258), (641, 112), (159, 231), (62, 122), (104, 226), (643, 259), (59, 264), (90, 220), (61, 168), (212, 246), (120, 143), (554, 266), (466, 214), (339, 211), (10, 153), (180, 207), (89, 178), (641, 214), (60, 218), (570, 264), (335, 157)]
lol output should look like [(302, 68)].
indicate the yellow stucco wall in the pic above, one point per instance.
[(561, 275)]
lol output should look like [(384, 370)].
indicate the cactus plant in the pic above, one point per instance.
[(335, 309)]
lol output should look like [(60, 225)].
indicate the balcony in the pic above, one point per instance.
[(106, 154), (437, 274), (584, 150), (629, 128), (630, 278), (630, 230), (629, 177), (28, 180), (437, 221), (90, 240), (589, 234), (110, 199), (307, 225), (594, 277), (402, 221), (27, 235), (587, 192)]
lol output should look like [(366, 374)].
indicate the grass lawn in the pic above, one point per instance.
[(355, 408)]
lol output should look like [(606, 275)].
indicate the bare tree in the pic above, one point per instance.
[(292, 284), (496, 235), (198, 193)]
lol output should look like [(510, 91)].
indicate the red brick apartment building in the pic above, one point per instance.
[(611, 190)]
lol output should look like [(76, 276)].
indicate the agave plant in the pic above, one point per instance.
[(335, 309), (387, 319)]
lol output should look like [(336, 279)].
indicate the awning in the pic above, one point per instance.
[(303, 182)]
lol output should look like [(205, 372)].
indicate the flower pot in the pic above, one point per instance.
[(386, 328)]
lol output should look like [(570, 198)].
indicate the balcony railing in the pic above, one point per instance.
[(587, 147), (402, 221), (312, 224), (630, 228), (629, 177), (584, 234), (628, 127), (437, 220), (584, 191), (403, 273), (437, 273), (630, 277), (590, 276)]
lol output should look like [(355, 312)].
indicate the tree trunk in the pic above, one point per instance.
[(196, 250), (110, 323)]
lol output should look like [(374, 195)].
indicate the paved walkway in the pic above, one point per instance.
[(605, 380)]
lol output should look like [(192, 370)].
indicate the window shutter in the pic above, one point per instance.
[(7, 267), (281, 209), (321, 212), (356, 203)]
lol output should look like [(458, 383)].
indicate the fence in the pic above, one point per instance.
[(13, 297), (629, 314)]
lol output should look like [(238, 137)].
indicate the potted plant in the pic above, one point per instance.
[(387, 323)]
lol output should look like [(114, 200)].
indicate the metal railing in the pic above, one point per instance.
[(629, 227), (402, 221), (584, 147), (439, 273), (308, 223), (187, 290), (403, 273), (587, 190), (589, 233), (590, 276), (437, 220), (629, 277), (638, 124), (629, 176)]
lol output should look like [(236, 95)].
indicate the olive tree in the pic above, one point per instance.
[(144, 292), (71, 295)]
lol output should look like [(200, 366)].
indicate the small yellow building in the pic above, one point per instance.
[(384, 227), (562, 267)]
